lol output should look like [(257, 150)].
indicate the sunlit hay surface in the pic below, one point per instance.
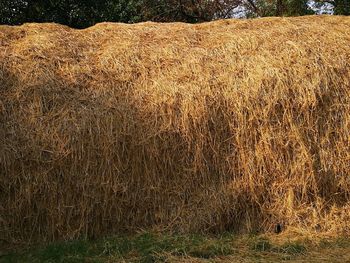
[(231, 125)]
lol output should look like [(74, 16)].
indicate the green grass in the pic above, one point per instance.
[(145, 247), (151, 247)]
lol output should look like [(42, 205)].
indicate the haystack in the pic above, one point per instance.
[(233, 125)]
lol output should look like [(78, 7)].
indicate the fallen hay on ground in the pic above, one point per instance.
[(231, 125)]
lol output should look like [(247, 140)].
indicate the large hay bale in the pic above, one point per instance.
[(229, 125)]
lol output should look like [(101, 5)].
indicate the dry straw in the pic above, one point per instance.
[(230, 125)]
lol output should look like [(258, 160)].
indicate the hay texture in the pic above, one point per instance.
[(230, 125)]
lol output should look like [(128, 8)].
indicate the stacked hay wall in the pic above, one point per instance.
[(230, 125)]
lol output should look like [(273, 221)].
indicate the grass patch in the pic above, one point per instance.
[(262, 244), (151, 247), (74, 251), (341, 242), (291, 248), (144, 247)]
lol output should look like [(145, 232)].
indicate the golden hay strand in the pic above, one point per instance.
[(229, 125)]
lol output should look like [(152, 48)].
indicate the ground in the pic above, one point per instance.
[(152, 247)]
